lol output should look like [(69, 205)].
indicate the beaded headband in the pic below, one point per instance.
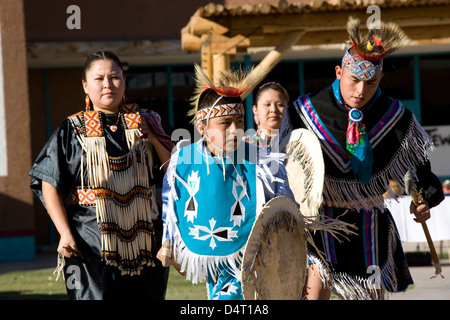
[(220, 110), (228, 85), (363, 70)]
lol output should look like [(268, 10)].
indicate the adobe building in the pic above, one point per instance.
[(296, 43), (17, 223)]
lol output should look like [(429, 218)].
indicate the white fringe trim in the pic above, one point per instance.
[(97, 161), (197, 267), (352, 194), (348, 287), (121, 182)]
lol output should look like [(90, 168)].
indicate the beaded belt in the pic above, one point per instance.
[(87, 197), (84, 197)]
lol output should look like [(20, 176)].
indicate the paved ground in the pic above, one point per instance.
[(424, 289), (42, 260)]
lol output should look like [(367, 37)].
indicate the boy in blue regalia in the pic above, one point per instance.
[(214, 188)]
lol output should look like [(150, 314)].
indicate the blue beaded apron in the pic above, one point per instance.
[(214, 214)]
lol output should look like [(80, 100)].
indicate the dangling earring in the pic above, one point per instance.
[(255, 117), (88, 103)]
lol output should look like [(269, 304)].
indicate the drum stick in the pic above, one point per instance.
[(417, 199)]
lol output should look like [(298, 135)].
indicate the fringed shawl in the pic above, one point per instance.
[(399, 144)]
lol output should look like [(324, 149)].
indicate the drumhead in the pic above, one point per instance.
[(305, 169), (275, 260)]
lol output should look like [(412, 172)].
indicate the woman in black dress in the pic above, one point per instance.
[(96, 177)]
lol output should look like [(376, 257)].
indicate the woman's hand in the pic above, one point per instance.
[(57, 212), (146, 132), (66, 242), (161, 152)]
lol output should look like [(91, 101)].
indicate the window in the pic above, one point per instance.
[(182, 90), (319, 74), (286, 74), (148, 88), (434, 85), (398, 79), (152, 89)]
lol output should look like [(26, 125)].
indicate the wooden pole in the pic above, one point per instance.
[(273, 57), (206, 55), (417, 199)]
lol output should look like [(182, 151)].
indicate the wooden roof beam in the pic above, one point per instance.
[(322, 27), (191, 36), (328, 21), (216, 50), (220, 43), (434, 33), (198, 26)]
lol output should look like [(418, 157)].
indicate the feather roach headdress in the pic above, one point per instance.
[(222, 97), (371, 47), (376, 43)]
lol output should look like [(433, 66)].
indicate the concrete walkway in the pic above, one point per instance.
[(425, 288), (42, 260)]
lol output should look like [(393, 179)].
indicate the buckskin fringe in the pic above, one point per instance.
[(61, 262), (352, 194), (133, 140), (126, 241), (198, 267), (344, 286), (97, 161)]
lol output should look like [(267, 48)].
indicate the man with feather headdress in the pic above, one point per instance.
[(367, 139), (214, 188)]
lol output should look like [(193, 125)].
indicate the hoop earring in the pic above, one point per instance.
[(88, 103)]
